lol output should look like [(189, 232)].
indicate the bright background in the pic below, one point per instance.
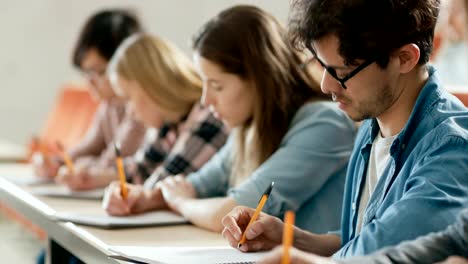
[(37, 38)]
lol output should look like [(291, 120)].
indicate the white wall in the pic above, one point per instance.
[(37, 38)]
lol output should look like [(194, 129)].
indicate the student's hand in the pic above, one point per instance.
[(296, 256), (138, 200), (263, 234), (455, 260), (45, 167), (77, 180), (115, 204), (176, 190)]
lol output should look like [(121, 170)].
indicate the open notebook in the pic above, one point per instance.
[(64, 192), (156, 218), (21, 174), (28, 180), (183, 255)]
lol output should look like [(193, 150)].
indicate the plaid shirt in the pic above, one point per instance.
[(178, 148)]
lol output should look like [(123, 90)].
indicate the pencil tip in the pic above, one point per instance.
[(117, 149), (268, 190)]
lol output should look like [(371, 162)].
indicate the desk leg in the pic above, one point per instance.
[(56, 254)]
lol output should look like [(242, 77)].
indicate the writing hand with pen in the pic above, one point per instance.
[(264, 234), (251, 230), (68, 174), (122, 199)]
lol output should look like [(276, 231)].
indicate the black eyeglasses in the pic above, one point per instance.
[(350, 75)]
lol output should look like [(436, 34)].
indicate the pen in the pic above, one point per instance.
[(121, 171), (287, 236), (260, 205)]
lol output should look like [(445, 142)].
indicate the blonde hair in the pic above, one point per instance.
[(162, 70)]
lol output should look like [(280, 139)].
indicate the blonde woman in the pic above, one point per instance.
[(285, 131), (163, 92)]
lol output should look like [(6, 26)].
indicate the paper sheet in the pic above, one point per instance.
[(183, 255), (64, 192), (103, 220)]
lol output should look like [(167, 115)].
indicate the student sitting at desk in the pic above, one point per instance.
[(407, 174), (164, 89), (284, 131), (446, 247), (99, 39)]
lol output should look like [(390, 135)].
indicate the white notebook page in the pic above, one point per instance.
[(183, 255), (154, 218)]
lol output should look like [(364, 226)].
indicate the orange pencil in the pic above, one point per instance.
[(260, 205), (66, 158), (288, 235), (120, 168)]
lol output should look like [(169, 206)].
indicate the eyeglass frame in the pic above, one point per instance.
[(94, 74), (350, 75)]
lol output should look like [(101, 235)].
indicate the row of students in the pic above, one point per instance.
[(408, 161), (283, 129), (263, 91), (161, 95), (157, 87)]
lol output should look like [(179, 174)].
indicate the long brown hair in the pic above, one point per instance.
[(247, 41)]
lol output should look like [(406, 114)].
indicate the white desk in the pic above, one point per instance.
[(88, 243)]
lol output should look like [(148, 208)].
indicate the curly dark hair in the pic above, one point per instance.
[(366, 29)]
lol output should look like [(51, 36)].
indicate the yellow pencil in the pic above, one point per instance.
[(260, 205), (66, 158), (120, 168), (288, 235)]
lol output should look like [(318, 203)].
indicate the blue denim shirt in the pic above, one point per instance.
[(424, 186), (308, 168)]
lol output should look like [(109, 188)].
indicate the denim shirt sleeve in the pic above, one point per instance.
[(434, 191), (431, 248), (315, 147), (213, 178)]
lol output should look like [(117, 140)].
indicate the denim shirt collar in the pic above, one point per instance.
[(428, 96)]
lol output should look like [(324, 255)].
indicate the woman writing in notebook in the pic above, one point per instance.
[(284, 131), (163, 90), (99, 39)]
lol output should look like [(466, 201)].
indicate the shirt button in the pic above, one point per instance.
[(353, 206), (403, 146)]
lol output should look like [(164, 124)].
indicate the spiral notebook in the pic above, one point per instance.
[(183, 255)]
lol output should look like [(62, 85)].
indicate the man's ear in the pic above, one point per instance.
[(408, 56)]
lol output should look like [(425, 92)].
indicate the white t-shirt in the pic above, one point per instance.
[(378, 160)]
